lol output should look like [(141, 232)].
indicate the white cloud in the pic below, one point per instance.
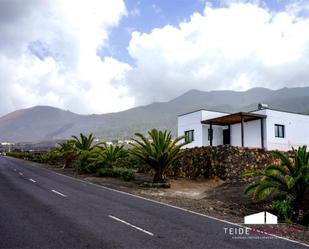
[(48, 53), (239, 46), (65, 35)]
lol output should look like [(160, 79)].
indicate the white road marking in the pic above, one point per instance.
[(20, 173), (31, 180), (129, 224), (56, 192), (164, 204), (14, 169)]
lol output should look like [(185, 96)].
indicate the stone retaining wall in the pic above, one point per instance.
[(226, 162)]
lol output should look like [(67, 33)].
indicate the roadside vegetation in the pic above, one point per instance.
[(281, 187), (286, 184), (87, 157), (159, 152), (84, 155)]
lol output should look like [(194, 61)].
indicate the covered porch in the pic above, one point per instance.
[(232, 119)]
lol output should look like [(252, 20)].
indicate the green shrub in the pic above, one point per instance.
[(82, 163), (125, 174), (131, 162), (289, 178), (31, 156), (283, 208), (110, 156), (51, 157), (286, 181), (128, 174), (155, 185), (54, 157), (107, 172)]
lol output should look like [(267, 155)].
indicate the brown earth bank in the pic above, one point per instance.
[(213, 197)]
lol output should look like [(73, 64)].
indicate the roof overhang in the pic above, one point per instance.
[(234, 118)]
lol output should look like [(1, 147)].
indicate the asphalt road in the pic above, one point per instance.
[(42, 209)]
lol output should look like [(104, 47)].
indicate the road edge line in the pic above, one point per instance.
[(131, 225), (161, 203)]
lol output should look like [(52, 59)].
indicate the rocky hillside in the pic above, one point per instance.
[(43, 123)]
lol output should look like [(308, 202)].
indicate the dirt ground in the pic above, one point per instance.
[(212, 197)]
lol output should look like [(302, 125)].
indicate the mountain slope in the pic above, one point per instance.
[(33, 123), (49, 123)]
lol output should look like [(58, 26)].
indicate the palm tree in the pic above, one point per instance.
[(67, 151), (289, 178), (159, 152), (84, 147), (84, 143), (110, 156)]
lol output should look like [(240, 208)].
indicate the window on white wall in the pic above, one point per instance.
[(279, 130), (210, 134), (189, 136)]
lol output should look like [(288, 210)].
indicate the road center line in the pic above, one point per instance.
[(129, 224), (161, 203), (31, 180), (58, 193)]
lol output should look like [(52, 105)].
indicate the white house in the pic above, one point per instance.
[(263, 128)]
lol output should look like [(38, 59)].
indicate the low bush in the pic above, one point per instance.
[(107, 172), (128, 174), (40, 157), (35, 157), (286, 181), (124, 173), (283, 208), (82, 162), (112, 156), (155, 185)]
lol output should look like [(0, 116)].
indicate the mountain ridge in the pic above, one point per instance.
[(40, 123)]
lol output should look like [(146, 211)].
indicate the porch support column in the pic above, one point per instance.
[(229, 128), (210, 134), (262, 134), (242, 131)]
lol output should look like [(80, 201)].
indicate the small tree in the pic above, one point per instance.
[(83, 147), (67, 151), (109, 156), (83, 142), (159, 152), (290, 177)]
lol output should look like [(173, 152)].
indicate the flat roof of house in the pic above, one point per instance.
[(268, 108), (202, 110), (234, 118), (278, 110)]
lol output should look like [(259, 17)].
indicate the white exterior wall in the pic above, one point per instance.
[(192, 121), (295, 126), (295, 129), (252, 134), (217, 135)]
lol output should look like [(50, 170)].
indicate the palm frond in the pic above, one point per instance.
[(251, 188), (159, 151)]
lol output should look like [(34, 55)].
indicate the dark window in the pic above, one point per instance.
[(189, 136), (279, 130), (226, 136), (210, 134)]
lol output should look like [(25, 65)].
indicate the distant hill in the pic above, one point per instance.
[(44, 123)]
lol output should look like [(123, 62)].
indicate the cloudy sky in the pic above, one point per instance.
[(98, 56)]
